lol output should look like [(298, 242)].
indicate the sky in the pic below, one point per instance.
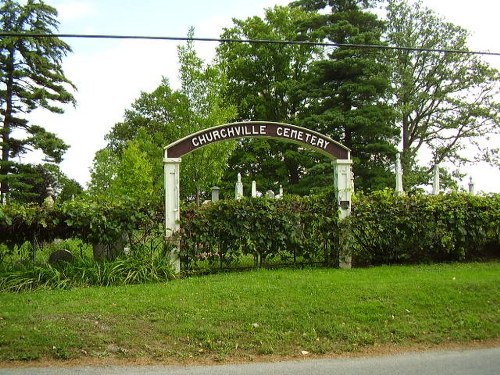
[(111, 74)]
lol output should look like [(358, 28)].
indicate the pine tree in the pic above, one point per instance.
[(31, 77), (347, 93)]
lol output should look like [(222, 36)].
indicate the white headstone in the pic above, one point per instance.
[(435, 183), (399, 175), (215, 193), (254, 189), (471, 186), (238, 191)]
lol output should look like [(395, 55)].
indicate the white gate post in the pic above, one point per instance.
[(344, 186), (172, 209)]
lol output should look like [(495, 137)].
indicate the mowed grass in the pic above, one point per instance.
[(244, 315)]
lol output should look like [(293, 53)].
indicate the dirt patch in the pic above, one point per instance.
[(371, 351)]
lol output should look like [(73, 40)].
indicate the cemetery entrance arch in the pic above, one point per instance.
[(274, 130)]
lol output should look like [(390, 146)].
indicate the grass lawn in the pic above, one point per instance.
[(245, 315)]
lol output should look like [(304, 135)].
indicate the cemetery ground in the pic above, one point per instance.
[(256, 315)]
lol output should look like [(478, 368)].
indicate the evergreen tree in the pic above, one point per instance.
[(347, 93), (30, 77)]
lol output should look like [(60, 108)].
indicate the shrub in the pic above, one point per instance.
[(290, 228), (388, 228)]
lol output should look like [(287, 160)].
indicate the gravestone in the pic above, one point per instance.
[(238, 190), (61, 256)]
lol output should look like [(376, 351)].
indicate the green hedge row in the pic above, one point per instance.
[(384, 228), (92, 220), (291, 228), (425, 228)]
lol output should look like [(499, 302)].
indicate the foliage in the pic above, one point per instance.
[(395, 229), (129, 176), (445, 102), (291, 228), (385, 229), (33, 181), (346, 93), (162, 117), (262, 84), (140, 267), (31, 77), (28, 231), (95, 221), (203, 87)]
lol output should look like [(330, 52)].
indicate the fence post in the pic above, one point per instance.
[(344, 186), (172, 209)]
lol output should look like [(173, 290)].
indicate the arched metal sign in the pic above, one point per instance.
[(274, 130)]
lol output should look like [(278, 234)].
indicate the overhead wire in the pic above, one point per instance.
[(254, 41)]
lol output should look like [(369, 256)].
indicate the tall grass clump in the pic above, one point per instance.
[(139, 267)]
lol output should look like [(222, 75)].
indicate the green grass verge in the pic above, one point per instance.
[(283, 312)]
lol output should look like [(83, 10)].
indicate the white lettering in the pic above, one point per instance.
[(301, 136), (202, 139), (279, 131), (286, 133), (195, 142), (326, 145), (313, 140), (263, 130)]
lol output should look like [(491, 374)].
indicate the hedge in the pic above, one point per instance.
[(385, 228), (389, 229), (291, 228), (92, 220)]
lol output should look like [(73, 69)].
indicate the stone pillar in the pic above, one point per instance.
[(435, 182), (471, 186), (172, 209), (254, 189), (399, 175), (344, 185), (238, 190)]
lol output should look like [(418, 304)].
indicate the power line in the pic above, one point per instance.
[(252, 41)]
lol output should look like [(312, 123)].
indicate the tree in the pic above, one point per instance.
[(203, 87), (262, 83), (131, 175), (445, 102), (35, 180), (164, 116), (347, 93), (31, 77)]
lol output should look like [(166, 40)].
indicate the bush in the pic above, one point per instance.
[(295, 228), (385, 228), (390, 229)]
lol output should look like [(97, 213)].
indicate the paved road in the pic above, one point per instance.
[(463, 362)]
